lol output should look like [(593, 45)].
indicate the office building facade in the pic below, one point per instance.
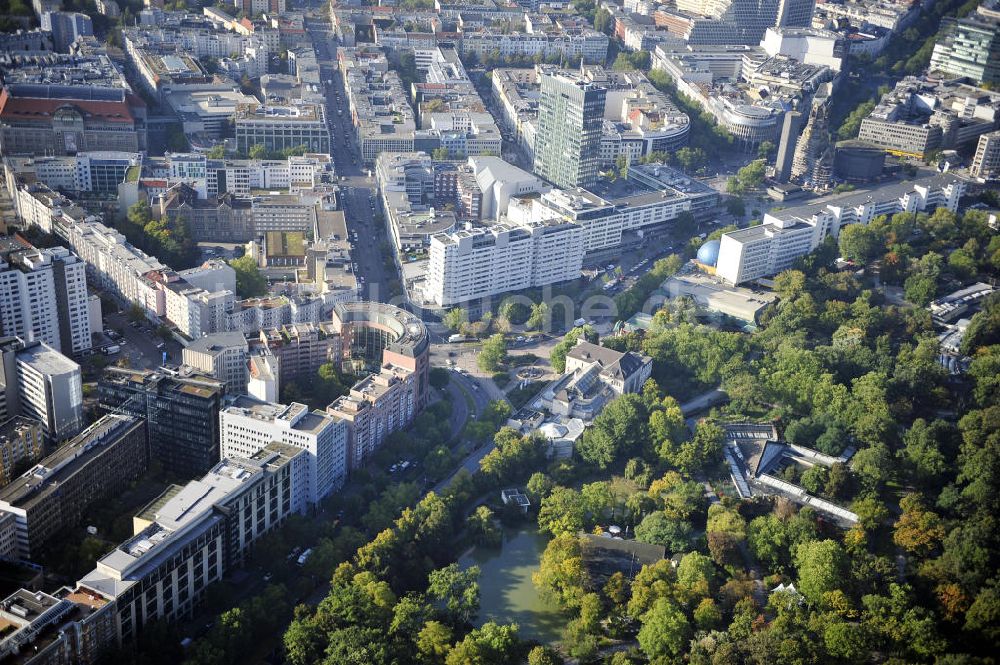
[(191, 536), (97, 464), (181, 412), (222, 355), (568, 140), (49, 389), (248, 425), (969, 47)]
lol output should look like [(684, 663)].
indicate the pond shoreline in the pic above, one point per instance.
[(507, 593)]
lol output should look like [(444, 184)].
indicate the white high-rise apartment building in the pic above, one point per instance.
[(249, 425), (767, 249), (43, 296), (986, 162), (476, 263), (50, 390)]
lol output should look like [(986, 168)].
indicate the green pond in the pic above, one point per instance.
[(506, 593)]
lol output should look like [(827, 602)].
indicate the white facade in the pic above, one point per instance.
[(223, 355), (249, 426), (50, 390), (765, 250), (813, 47), (986, 162), (499, 182), (471, 264), (44, 297)]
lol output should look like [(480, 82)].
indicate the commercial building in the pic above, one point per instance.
[(48, 386), (301, 348), (66, 28), (97, 464), (716, 78), (970, 46), (64, 627), (162, 67), (568, 141), (621, 212), (377, 406), (767, 249), (180, 410), (43, 296), (282, 127), (476, 263), (65, 120), (284, 212), (80, 72), (206, 111), (22, 442), (807, 45), (84, 172), (637, 118), (223, 356), (922, 115), (192, 535), (249, 425), (734, 21), (986, 162), (380, 111), (376, 334)]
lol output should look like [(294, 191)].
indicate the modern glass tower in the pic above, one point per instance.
[(969, 47), (568, 139)]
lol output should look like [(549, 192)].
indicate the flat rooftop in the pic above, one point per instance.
[(712, 294), (66, 460)]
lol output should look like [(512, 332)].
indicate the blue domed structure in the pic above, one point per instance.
[(708, 254)]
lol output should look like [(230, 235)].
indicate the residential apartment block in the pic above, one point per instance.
[(767, 249), (248, 426), (476, 263), (43, 296), (377, 406), (97, 464), (22, 442), (301, 348)]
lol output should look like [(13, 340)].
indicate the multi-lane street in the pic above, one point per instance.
[(368, 234)]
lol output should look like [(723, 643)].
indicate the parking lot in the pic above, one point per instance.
[(138, 343)]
